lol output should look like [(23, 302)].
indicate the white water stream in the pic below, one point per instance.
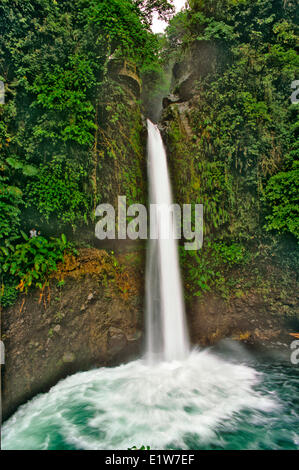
[(167, 337)]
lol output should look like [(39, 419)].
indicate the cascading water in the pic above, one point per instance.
[(196, 400), (167, 337)]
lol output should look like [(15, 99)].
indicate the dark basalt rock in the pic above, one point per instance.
[(117, 340), (170, 99)]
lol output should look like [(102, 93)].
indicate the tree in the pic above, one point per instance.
[(164, 8)]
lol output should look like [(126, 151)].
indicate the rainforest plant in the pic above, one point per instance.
[(244, 157), (29, 264), (54, 58)]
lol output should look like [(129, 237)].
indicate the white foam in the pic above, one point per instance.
[(139, 404)]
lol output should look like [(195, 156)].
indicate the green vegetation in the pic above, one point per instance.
[(211, 267), (53, 60), (244, 124), (71, 131), (69, 127), (281, 194), (28, 264), (239, 156)]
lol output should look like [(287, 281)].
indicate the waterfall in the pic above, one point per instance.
[(167, 337), (177, 400)]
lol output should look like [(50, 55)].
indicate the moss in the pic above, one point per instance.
[(121, 167), (118, 277)]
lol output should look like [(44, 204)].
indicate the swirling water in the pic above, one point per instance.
[(203, 402)]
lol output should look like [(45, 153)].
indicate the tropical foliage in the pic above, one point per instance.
[(238, 153), (71, 133), (54, 59), (244, 124)]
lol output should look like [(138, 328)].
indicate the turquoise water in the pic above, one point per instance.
[(206, 402)]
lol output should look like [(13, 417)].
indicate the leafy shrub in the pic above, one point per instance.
[(207, 268), (281, 195), (10, 199), (8, 294), (57, 191), (29, 264), (229, 254)]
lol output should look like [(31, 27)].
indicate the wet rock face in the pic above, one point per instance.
[(68, 358), (253, 320), (198, 62), (49, 340), (170, 99), (117, 341), (126, 73)]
